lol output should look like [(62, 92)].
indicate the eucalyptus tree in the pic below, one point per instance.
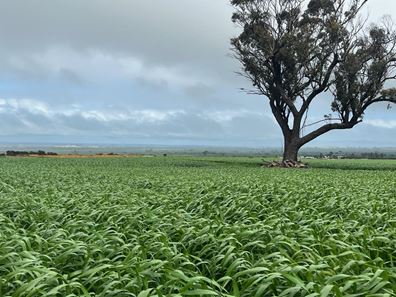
[(297, 52)]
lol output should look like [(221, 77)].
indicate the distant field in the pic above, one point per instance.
[(184, 226)]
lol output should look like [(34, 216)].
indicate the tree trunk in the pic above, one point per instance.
[(291, 149)]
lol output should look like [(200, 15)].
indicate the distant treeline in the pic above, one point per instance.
[(353, 155), (374, 155), (312, 154), (28, 153)]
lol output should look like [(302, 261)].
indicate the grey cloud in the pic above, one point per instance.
[(158, 86), (70, 76), (96, 67), (35, 117), (171, 32), (200, 90)]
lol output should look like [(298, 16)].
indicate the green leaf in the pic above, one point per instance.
[(326, 291), (145, 293)]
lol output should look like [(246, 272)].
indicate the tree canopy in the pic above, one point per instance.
[(294, 51)]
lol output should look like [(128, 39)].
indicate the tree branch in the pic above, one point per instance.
[(377, 100), (326, 128)]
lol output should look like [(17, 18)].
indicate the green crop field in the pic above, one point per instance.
[(186, 226)]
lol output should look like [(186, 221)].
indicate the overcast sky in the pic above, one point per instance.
[(140, 72)]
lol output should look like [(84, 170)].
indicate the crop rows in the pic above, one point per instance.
[(194, 227)]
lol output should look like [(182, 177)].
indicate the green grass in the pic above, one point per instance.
[(196, 227)]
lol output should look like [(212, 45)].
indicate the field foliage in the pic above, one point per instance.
[(196, 227)]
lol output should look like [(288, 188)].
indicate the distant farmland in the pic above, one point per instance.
[(184, 226)]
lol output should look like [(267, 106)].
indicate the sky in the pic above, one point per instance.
[(142, 72)]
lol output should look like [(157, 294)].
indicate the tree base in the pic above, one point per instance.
[(285, 164)]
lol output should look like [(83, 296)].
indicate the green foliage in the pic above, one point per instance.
[(196, 227), (296, 51)]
